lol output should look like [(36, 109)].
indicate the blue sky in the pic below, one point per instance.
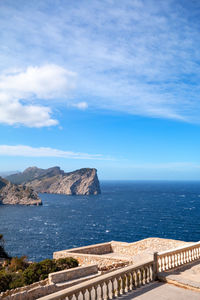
[(106, 84)]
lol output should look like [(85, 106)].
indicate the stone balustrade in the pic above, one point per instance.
[(110, 285), (171, 259)]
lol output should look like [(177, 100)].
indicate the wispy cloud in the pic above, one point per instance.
[(140, 57), (80, 105), (27, 151)]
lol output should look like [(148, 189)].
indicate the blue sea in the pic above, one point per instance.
[(125, 211)]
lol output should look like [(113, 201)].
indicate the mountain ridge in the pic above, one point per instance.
[(54, 180)]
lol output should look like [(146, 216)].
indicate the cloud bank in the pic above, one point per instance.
[(140, 57), (27, 151)]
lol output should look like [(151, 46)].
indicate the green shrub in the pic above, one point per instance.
[(18, 272), (18, 264), (3, 253), (5, 279), (66, 263), (32, 273), (17, 280)]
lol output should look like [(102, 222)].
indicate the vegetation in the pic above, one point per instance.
[(17, 271), (3, 253)]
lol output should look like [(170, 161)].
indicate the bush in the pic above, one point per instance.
[(66, 263), (18, 272), (5, 279), (18, 264), (17, 280), (3, 253)]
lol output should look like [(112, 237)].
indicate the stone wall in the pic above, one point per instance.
[(98, 249), (149, 245), (71, 274), (104, 262)]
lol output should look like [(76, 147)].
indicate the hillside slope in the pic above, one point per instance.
[(54, 180)]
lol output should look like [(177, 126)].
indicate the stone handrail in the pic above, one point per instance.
[(110, 285), (171, 259)]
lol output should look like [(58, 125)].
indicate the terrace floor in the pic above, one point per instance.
[(161, 291)]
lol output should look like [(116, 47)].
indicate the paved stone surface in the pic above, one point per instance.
[(188, 275), (161, 291)]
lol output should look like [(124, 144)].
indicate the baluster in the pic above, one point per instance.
[(184, 257), (151, 273), (135, 282), (90, 293), (181, 257), (107, 290), (113, 291), (195, 255), (95, 292), (139, 278), (128, 281), (166, 262), (187, 256), (101, 290), (172, 260), (190, 255), (175, 260), (70, 297), (77, 295), (146, 273), (197, 252), (118, 289), (123, 277), (84, 292), (178, 259), (159, 264), (143, 276), (163, 263)]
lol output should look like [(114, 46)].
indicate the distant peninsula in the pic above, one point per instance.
[(17, 194), (55, 181)]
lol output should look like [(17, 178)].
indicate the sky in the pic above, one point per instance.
[(107, 84)]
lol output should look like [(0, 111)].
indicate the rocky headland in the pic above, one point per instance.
[(56, 181), (17, 194)]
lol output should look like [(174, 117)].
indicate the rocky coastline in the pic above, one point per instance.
[(17, 194)]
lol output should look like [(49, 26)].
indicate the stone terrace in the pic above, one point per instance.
[(115, 254)]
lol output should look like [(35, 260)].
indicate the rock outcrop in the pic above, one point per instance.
[(17, 194), (56, 181)]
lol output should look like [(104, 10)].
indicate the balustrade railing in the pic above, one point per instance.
[(119, 282), (171, 259), (110, 285)]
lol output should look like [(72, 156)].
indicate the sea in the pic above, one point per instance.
[(125, 211)]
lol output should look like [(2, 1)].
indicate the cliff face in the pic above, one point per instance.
[(55, 181), (33, 173), (17, 194)]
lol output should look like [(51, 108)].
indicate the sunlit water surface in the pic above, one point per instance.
[(125, 211)]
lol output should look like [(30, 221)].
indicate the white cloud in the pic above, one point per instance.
[(140, 57), (80, 105), (46, 82), (18, 89), (27, 151)]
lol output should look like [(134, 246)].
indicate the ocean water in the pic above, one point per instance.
[(125, 211)]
